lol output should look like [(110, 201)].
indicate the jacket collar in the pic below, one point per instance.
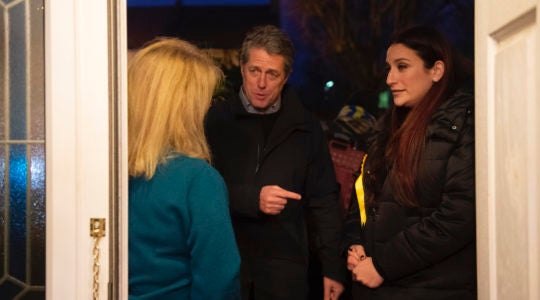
[(250, 109), (292, 113)]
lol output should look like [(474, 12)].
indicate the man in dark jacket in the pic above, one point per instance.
[(275, 161)]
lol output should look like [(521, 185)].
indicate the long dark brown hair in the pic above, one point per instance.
[(400, 145)]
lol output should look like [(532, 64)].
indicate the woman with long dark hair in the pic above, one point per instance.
[(410, 232)]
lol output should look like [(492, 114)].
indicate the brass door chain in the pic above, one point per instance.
[(97, 231)]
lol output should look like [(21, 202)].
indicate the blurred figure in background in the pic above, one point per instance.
[(181, 241), (412, 236)]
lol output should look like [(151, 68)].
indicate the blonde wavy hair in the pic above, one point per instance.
[(170, 88)]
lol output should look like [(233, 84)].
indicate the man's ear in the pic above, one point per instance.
[(437, 71)]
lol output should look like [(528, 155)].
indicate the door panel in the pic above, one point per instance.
[(508, 142), (502, 13), (86, 146)]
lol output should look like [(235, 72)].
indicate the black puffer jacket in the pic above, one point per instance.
[(296, 158), (427, 252)]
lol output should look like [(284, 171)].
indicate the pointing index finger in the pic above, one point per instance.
[(289, 195)]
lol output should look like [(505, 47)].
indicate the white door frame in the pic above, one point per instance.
[(78, 145), (507, 61)]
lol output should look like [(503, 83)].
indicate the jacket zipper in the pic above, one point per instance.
[(257, 167), (373, 216)]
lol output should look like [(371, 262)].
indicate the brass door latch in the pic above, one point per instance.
[(97, 227), (97, 231)]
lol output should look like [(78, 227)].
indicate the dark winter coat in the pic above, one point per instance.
[(296, 158), (427, 252)]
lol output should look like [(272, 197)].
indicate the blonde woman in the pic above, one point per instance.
[(181, 241)]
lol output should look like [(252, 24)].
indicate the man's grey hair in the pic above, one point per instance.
[(273, 40)]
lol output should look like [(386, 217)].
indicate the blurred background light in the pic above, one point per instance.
[(328, 85)]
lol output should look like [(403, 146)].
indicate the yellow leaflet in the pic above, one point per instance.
[(358, 185)]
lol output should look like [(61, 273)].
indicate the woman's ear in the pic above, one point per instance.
[(437, 70)]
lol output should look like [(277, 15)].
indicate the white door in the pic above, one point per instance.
[(85, 141), (507, 45)]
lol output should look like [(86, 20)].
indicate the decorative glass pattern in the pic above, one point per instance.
[(22, 150)]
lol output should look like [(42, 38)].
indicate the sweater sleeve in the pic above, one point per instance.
[(215, 259)]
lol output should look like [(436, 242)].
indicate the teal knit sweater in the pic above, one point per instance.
[(181, 241)]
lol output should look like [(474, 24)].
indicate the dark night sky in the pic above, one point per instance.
[(223, 23), (149, 3)]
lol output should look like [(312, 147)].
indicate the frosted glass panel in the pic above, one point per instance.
[(3, 100), (3, 201), (17, 211), (36, 214), (17, 71), (37, 73), (22, 150)]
